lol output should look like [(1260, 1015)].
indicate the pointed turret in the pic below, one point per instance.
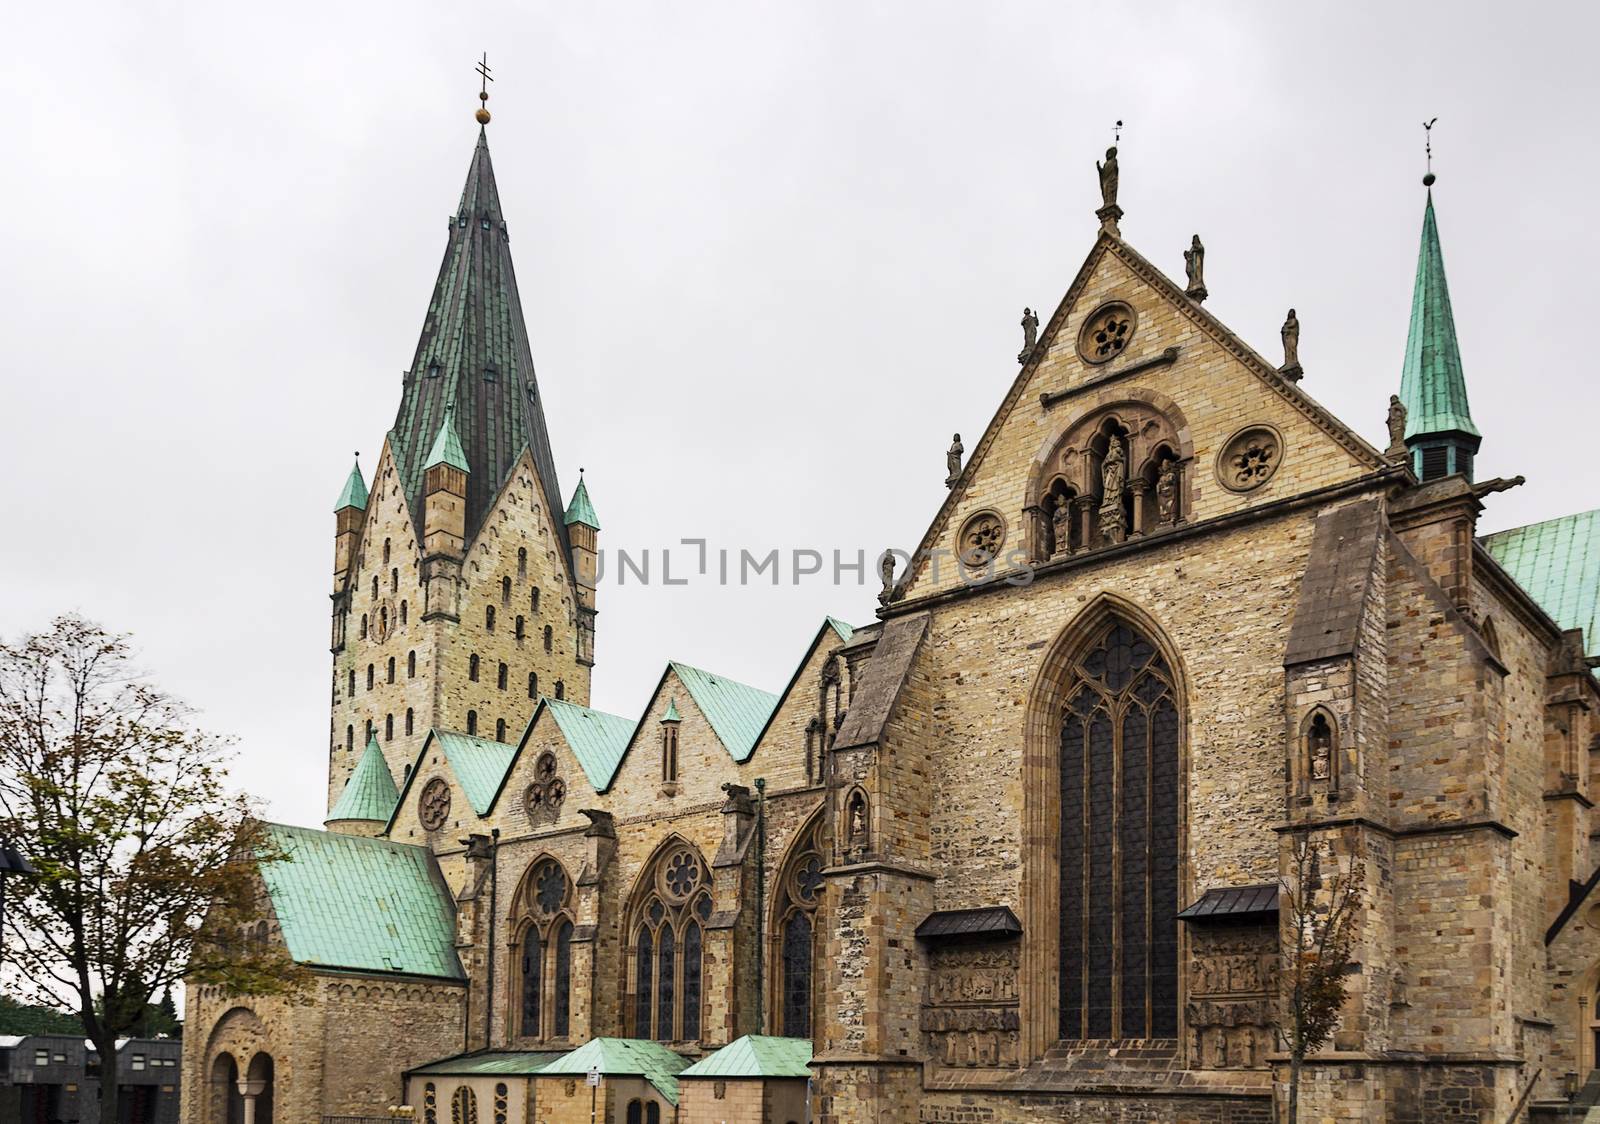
[(583, 532), (349, 512), (369, 796), (474, 356), (1439, 432), (445, 479)]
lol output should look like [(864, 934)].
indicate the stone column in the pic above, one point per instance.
[(1138, 486), (1085, 506), (250, 1090)]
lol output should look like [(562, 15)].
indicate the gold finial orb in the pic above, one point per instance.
[(482, 115)]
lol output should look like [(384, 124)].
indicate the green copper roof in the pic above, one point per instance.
[(596, 739), (1432, 386), (672, 714), (1558, 563), (479, 765), (447, 446), (625, 1057), (370, 793), (580, 510), (845, 631), (366, 905), (756, 1055), (355, 491), (736, 711), (473, 353), (514, 1063)]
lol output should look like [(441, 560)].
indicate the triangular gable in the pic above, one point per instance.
[(595, 739), (479, 766), (1214, 329), (756, 1055), (737, 711), (831, 626), (624, 1057)]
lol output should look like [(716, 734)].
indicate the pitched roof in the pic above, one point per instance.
[(369, 905), (447, 445), (479, 764), (370, 793), (672, 714), (354, 493), (756, 1055), (580, 510), (625, 1057), (1333, 591), (1558, 563), (1232, 902), (474, 353), (598, 740), (516, 1063), (736, 711), (954, 924), (1432, 386), (845, 631), (873, 700)]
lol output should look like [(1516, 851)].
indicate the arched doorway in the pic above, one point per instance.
[(225, 1104)]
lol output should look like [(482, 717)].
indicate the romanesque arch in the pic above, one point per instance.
[(664, 940), (1104, 831), (541, 919), (792, 944)]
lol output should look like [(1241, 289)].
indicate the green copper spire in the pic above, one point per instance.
[(370, 793), (580, 510), (672, 714), (1439, 429), (355, 490), (447, 446)]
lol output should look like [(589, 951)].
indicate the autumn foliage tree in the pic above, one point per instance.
[(1321, 916), (147, 863)]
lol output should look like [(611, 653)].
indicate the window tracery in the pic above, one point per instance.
[(798, 894), (667, 928), (542, 951), (543, 797)]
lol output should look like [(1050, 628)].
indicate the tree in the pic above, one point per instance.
[(147, 864), (1322, 916)]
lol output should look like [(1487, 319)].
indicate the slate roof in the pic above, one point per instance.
[(1558, 563), (1431, 383), (367, 905), (1333, 589), (514, 1063), (1233, 901), (873, 701), (625, 1057), (580, 510), (479, 765), (986, 921), (473, 353), (598, 740), (737, 712), (354, 493), (756, 1055), (370, 793)]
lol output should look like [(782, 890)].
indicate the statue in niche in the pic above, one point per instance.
[(952, 460), (1167, 493), (1194, 264), (1061, 523), (1397, 427), (1108, 178), (858, 822), (1113, 473), (1320, 742), (1290, 332), (1030, 334)]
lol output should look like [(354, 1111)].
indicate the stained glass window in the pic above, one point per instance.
[(797, 975), (645, 955), (668, 956), (532, 962), (563, 981), (669, 947), (1119, 844), (691, 983)]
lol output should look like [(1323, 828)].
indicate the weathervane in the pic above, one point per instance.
[(483, 93), (1427, 133)]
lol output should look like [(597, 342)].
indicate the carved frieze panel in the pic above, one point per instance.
[(1233, 980), (970, 1013)]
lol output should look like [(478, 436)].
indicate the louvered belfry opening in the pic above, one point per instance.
[(1119, 843)]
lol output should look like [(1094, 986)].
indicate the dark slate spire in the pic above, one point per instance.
[(474, 356), (1439, 429)]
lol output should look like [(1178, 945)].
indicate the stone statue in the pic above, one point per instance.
[(952, 461), (1397, 428), (1108, 178), (1167, 493), (886, 571), (1061, 521), (1291, 346), (1113, 473), (1030, 334), (1194, 264), (858, 820)]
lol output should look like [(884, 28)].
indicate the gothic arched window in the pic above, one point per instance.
[(500, 729), (464, 1106), (472, 721), (501, 677), (411, 665), (371, 671), (505, 591), (561, 689), (472, 667), (1119, 842), (549, 638), (543, 954), (533, 684), (363, 626), (388, 727), (522, 563), (488, 618), (410, 720), (674, 902), (391, 669), (796, 896)]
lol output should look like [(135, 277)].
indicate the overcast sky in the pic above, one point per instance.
[(771, 256)]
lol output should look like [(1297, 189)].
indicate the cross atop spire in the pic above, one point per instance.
[(483, 92)]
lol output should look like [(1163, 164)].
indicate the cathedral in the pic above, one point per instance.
[(1022, 847)]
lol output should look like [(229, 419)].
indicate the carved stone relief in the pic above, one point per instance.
[(971, 1014), (1233, 977), (1250, 458), (981, 538)]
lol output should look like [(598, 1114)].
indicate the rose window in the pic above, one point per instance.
[(542, 799), (808, 878), (550, 888), (681, 875), (1106, 334), (433, 808), (981, 539), (1250, 458)]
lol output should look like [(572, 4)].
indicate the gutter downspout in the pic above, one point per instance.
[(761, 905), (494, 885)]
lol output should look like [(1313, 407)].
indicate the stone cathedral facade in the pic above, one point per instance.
[(1016, 849)]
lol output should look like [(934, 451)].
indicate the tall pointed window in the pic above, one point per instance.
[(411, 665), (796, 896), (501, 676), (411, 717), (542, 951), (472, 722), (391, 669), (472, 667), (488, 618), (499, 729), (549, 638), (1119, 843), (533, 684), (522, 564), (673, 903)]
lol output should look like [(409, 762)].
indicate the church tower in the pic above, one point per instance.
[(463, 589)]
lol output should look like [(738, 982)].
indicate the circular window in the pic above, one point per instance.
[(550, 887), (433, 808), (981, 539), (1105, 334), (1250, 458), (681, 874)]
